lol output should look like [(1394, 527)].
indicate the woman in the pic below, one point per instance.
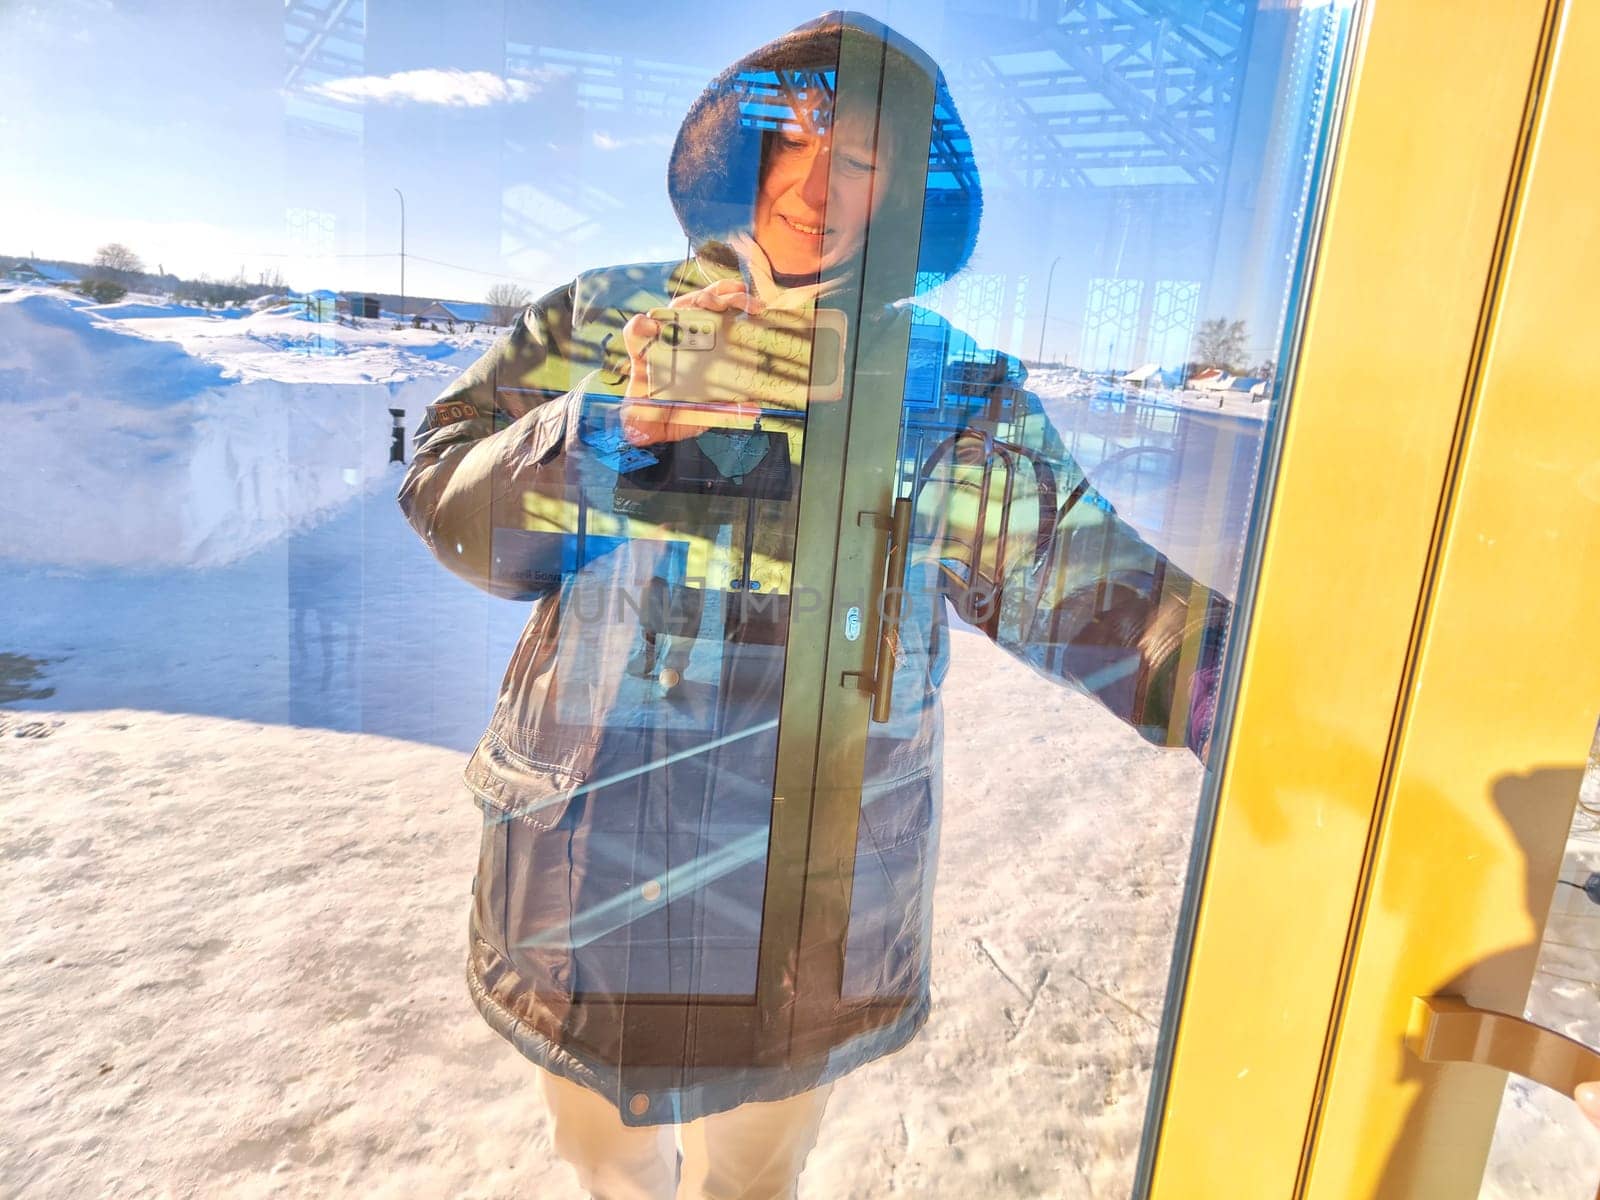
[(631, 891)]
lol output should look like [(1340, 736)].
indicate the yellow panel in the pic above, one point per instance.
[(1423, 167), (1506, 693)]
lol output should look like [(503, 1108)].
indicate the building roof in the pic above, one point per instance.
[(455, 310), (44, 271)]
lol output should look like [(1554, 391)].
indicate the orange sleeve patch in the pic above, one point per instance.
[(448, 412)]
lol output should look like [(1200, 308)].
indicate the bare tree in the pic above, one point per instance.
[(506, 301), (1219, 342), (117, 261), (271, 279)]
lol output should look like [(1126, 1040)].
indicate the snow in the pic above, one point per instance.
[(1543, 1147), (347, 624), (233, 964), (242, 851), (139, 438), (238, 852), (1183, 474), (140, 305), (1066, 380)]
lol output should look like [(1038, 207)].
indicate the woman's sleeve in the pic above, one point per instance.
[(1091, 603), (497, 457)]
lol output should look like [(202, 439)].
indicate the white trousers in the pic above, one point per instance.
[(753, 1152)]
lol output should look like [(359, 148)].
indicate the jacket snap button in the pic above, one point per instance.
[(651, 891), (638, 1104)]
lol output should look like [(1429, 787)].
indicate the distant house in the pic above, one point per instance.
[(1147, 376), (456, 311), (359, 305), (1212, 379), (29, 272)]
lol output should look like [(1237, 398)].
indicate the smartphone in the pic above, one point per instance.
[(779, 361)]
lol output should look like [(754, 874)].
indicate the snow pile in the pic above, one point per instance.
[(139, 305), (141, 435)]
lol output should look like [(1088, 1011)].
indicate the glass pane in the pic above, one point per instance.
[(1543, 1146), (844, 463)]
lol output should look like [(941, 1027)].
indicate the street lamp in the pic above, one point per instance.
[(402, 196), (1044, 319)]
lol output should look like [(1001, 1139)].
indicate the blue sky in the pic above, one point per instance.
[(174, 126), (165, 125)]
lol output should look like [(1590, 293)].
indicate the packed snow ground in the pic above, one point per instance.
[(239, 852), (233, 967), (1543, 1147), (266, 923), (234, 956)]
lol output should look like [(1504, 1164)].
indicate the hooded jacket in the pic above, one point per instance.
[(620, 892)]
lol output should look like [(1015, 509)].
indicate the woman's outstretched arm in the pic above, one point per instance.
[(1076, 592)]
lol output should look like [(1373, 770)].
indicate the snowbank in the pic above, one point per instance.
[(136, 306), (137, 438)]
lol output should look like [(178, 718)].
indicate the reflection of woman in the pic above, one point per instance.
[(620, 889)]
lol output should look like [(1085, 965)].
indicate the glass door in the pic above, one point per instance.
[(963, 683)]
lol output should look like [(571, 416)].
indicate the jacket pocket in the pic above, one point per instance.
[(489, 888), (536, 791), (895, 813), (891, 912), (523, 901), (541, 879)]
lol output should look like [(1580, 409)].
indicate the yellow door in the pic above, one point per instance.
[(1463, 791), (1418, 683)]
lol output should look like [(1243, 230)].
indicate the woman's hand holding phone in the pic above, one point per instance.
[(645, 423)]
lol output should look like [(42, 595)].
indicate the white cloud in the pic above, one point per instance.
[(449, 88), (605, 141)]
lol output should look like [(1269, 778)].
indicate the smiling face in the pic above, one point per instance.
[(817, 194)]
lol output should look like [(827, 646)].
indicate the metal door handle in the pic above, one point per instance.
[(890, 602), (1445, 1029)]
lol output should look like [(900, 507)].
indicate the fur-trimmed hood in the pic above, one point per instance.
[(715, 166)]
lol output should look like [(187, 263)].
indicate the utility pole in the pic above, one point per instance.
[(1044, 319), (402, 196)]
